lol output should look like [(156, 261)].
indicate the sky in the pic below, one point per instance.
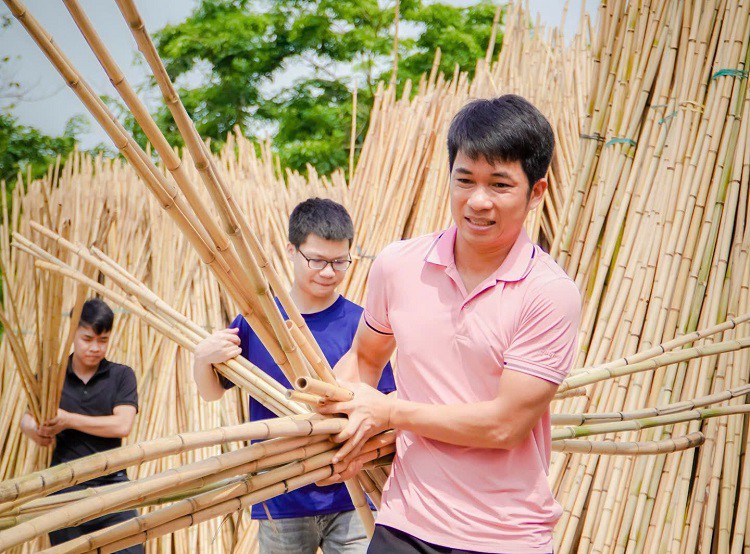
[(48, 103)]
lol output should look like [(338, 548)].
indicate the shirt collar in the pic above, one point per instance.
[(101, 370), (515, 267)]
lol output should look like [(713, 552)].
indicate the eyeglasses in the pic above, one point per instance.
[(319, 265)]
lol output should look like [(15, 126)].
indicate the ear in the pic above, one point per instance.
[(537, 193), (290, 250)]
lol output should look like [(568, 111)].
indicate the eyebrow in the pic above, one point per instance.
[(316, 256), (465, 171)]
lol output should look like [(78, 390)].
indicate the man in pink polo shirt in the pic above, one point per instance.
[(485, 323)]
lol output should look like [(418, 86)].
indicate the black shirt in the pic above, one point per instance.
[(111, 385)]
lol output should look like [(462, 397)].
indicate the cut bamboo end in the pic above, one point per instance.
[(333, 393)]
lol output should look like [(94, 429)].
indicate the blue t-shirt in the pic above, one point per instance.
[(333, 329)]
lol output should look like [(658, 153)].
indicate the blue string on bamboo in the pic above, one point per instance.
[(728, 72), (620, 140)]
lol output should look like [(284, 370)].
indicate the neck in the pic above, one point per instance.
[(83, 370), (308, 304), (480, 260)]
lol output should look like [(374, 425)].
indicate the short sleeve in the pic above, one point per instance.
[(545, 344), (376, 303), (387, 383), (127, 389), (245, 334)]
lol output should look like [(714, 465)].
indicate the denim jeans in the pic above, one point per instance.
[(339, 533)]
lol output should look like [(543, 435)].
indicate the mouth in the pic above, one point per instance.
[(480, 222)]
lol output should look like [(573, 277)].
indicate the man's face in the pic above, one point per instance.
[(318, 283), (489, 202), (89, 347)]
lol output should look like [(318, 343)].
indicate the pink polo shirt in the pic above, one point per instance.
[(452, 348)]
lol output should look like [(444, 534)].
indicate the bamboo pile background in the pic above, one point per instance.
[(648, 212)]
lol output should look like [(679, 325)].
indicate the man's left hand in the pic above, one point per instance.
[(369, 414), (60, 422)]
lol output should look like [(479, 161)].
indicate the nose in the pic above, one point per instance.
[(328, 271), (479, 200)]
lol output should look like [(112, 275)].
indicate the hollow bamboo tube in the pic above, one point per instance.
[(309, 399), (330, 392)]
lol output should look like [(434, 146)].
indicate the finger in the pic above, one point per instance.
[(348, 431), (352, 470), (335, 408), (351, 447), (230, 332), (332, 480)]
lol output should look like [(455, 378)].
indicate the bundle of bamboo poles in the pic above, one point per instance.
[(656, 235), (41, 363), (32, 518), (668, 84)]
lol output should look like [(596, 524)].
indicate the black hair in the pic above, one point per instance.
[(505, 129), (96, 315), (320, 216)]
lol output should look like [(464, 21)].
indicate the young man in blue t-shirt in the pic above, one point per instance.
[(320, 236)]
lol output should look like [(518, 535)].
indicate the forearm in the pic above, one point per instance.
[(28, 425), (207, 381), (479, 424), (356, 367), (110, 426)]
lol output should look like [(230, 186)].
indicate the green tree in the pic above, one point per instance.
[(23, 147), (240, 49)]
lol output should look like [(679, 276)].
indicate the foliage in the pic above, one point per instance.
[(239, 51), (24, 148)]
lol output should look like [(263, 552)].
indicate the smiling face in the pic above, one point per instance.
[(89, 347), (489, 203), (318, 284)]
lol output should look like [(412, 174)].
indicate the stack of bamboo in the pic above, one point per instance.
[(657, 236), (647, 210)]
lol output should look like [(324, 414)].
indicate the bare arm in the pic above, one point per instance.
[(215, 349), (368, 355), (117, 425), (503, 422)]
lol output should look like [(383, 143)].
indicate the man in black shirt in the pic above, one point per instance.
[(97, 409)]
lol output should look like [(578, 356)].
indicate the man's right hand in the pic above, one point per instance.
[(219, 347), (30, 428), (215, 349)]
